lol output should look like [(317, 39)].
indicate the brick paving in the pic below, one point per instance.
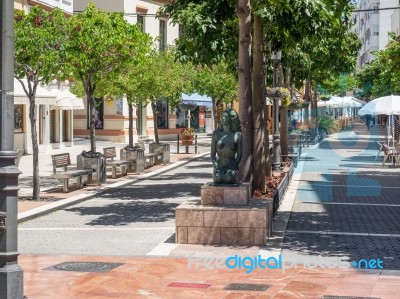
[(129, 220), (347, 204), (346, 207)]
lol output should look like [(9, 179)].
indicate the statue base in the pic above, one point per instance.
[(225, 194), (247, 225)]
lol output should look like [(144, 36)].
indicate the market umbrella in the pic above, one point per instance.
[(389, 105), (385, 105)]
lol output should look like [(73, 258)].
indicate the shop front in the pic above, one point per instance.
[(22, 125)]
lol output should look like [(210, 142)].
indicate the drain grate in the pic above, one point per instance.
[(96, 267), (247, 287), (347, 297)]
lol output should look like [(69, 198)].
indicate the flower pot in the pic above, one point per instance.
[(187, 139)]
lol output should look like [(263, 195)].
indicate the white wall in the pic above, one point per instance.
[(385, 25), (106, 5)]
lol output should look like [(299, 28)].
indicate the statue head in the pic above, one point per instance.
[(231, 118)]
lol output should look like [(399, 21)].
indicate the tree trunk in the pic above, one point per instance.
[(89, 89), (130, 108), (35, 148), (259, 166), (245, 95), (284, 115), (220, 110), (155, 112), (268, 161), (217, 112), (284, 130), (307, 98), (314, 111)]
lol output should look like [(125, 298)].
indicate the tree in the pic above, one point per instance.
[(99, 45), (128, 82), (219, 83), (210, 36), (381, 77), (39, 56), (167, 84)]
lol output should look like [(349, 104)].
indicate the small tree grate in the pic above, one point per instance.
[(96, 267), (247, 287)]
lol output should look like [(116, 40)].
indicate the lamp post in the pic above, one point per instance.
[(276, 164), (11, 274)]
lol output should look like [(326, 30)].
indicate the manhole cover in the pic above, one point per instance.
[(84, 267), (347, 297), (246, 287)]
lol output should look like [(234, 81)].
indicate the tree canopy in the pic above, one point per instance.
[(39, 56), (100, 44)]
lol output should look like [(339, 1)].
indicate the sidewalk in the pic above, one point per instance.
[(51, 189), (340, 204)]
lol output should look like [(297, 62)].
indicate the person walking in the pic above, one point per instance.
[(367, 120)]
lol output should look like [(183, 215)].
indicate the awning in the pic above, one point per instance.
[(43, 97), (196, 99), (66, 100)]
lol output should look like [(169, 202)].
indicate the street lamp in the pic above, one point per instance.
[(11, 274), (276, 164)]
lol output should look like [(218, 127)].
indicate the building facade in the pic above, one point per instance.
[(65, 5), (112, 120), (54, 124), (372, 23)]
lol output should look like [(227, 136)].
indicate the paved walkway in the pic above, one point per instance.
[(344, 206), (347, 205)]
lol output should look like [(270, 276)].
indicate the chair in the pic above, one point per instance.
[(389, 153), (379, 146)]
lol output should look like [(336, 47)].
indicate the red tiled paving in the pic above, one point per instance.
[(148, 277)]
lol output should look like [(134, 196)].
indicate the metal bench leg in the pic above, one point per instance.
[(65, 187), (79, 182), (124, 170), (114, 171), (89, 178)]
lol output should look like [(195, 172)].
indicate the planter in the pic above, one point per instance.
[(300, 105), (187, 139), (96, 162), (280, 191)]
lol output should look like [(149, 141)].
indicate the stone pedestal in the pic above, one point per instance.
[(217, 195), (224, 225)]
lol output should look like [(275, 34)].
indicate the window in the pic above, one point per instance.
[(375, 9), (18, 116), (181, 118), (162, 114), (163, 35), (98, 116), (140, 22)]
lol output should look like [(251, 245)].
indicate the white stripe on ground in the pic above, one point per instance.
[(350, 203), (93, 228), (341, 233), (163, 249)]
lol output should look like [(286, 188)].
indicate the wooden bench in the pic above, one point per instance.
[(63, 161), (110, 154), (186, 146)]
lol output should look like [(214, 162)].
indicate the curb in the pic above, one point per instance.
[(46, 209)]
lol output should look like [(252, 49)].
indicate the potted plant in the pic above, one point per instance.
[(187, 136)]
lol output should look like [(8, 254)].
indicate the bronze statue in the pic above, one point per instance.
[(226, 148)]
